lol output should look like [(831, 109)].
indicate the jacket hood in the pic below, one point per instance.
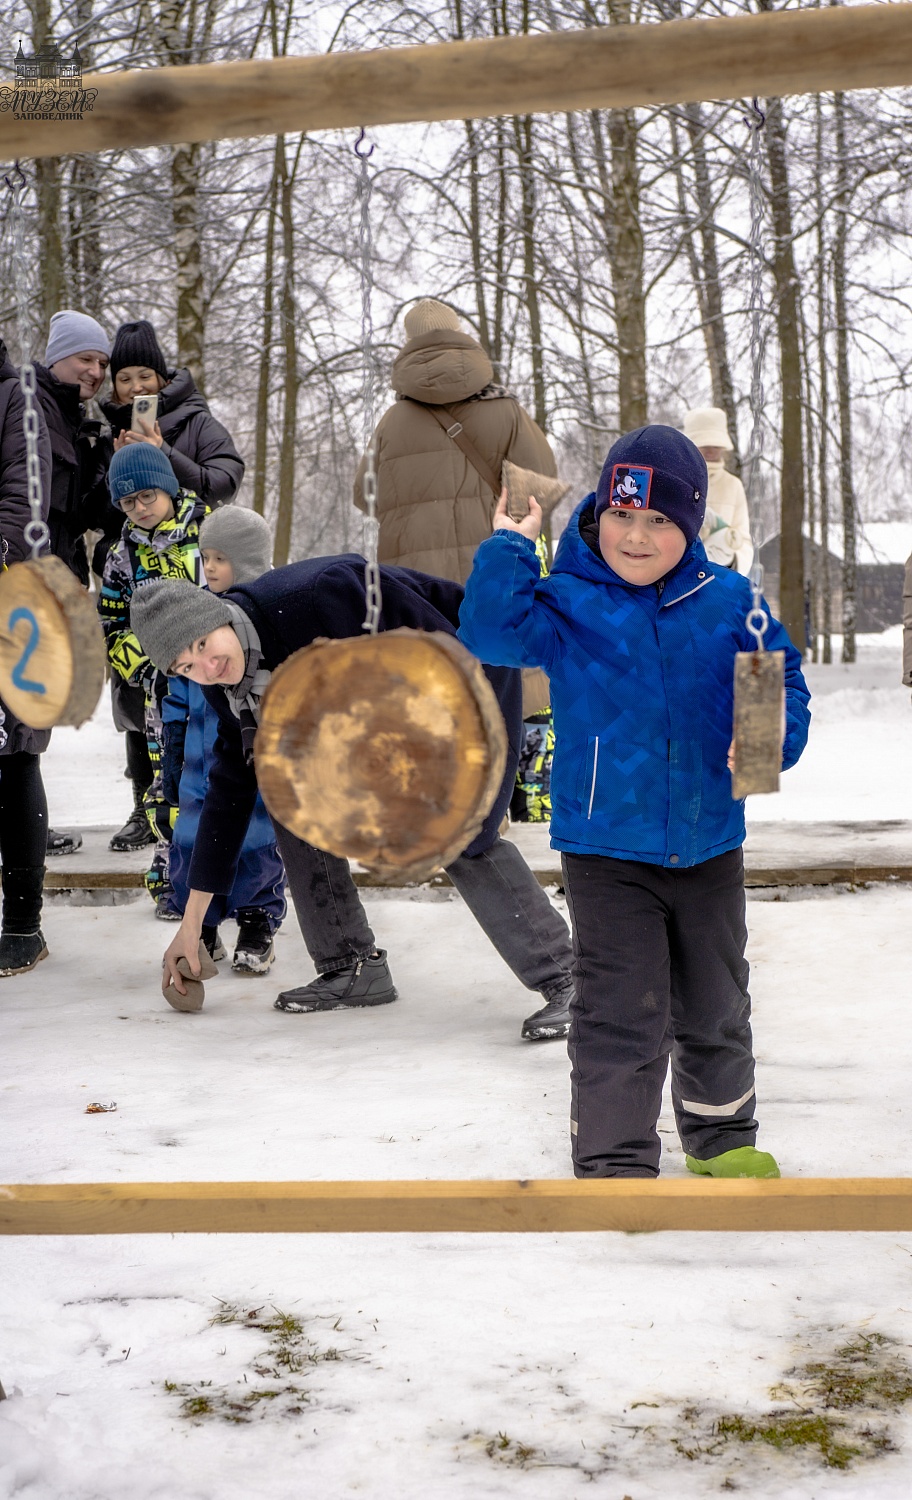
[(441, 367), (180, 394), (63, 392), (8, 370), (575, 556)]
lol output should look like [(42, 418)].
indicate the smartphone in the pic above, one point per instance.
[(145, 407)]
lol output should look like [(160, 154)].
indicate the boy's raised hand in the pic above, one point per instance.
[(529, 526)]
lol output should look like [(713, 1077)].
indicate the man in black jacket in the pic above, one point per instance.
[(229, 644), (76, 360)]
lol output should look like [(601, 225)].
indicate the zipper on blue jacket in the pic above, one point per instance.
[(594, 774)]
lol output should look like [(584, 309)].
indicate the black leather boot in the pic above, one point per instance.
[(22, 943), (136, 832), (365, 981)]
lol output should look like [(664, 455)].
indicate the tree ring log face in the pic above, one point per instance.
[(51, 645), (387, 749)]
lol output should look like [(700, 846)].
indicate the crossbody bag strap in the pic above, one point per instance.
[(457, 434)]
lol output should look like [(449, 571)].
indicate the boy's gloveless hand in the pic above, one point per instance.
[(529, 526)]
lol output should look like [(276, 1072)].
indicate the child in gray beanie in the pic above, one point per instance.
[(236, 547)]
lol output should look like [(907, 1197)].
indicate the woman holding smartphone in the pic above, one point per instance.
[(151, 403)]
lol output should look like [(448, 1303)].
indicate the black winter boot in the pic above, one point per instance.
[(136, 832), (365, 981), (216, 949), (22, 943), (552, 1022), (254, 950)]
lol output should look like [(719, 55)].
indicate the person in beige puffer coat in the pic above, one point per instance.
[(433, 506), (726, 530)]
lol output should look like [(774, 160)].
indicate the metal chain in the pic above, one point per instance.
[(757, 619), (372, 594), (36, 532)]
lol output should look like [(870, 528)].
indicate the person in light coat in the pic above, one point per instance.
[(726, 530)]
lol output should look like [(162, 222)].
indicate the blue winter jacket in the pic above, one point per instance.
[(641, 688)]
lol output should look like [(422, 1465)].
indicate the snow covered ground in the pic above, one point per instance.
[(533, 1366)]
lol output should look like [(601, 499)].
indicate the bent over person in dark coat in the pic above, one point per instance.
[(230, 644)]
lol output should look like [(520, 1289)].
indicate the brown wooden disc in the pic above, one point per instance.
[(386, 749), (52, 655)]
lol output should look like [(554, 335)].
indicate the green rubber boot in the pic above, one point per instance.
[(744, 1161)]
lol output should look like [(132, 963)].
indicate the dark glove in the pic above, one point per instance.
[(172, 759)]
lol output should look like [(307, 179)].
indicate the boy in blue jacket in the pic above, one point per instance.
[(235, 547), (638, 633)]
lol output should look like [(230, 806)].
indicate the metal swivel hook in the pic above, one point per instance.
[(755, 119), (15, 187), (363, 155)]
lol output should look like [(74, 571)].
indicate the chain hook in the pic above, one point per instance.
[(22, 184), (372, 593)]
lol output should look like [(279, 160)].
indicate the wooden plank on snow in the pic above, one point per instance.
[(808, 1205)]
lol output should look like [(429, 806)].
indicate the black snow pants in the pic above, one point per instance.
[(659, 967)]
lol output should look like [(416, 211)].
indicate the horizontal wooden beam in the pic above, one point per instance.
[(785, 52), (633, 1206)]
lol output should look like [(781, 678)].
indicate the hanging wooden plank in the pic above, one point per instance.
[(52, 655), (808, 1205), (388, 749), (759, 721), (733, 57)]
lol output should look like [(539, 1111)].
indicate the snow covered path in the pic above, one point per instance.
[(589, 1350)]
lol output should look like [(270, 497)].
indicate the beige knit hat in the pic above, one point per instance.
[(427, 316), (707, 427)]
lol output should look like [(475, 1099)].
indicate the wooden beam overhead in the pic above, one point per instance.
[(783, 52), (541, 1207)]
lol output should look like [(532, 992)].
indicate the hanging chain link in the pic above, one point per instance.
[(757, 620), (372, 594), (36, 532)]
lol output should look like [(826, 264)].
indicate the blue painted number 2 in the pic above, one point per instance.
[(19, 679)]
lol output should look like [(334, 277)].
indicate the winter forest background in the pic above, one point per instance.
[(601, 257)]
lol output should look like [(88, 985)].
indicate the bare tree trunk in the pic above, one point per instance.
[(475, 218), (625, 250), (290, 347), (823, 479), (85, 192), (791, 528), (522, 127), (723, 387), (261, 440), (48, 170), (843, 390), (185, 164)]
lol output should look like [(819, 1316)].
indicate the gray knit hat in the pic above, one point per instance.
[(244, 538), (74, 333), (169, 614)]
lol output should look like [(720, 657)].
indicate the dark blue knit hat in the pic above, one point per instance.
[(656, 468), (140, 466)]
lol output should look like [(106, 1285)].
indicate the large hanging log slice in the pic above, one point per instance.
[(386, 749), (52, 654)]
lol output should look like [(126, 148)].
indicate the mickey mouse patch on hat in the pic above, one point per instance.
[(630, 487)]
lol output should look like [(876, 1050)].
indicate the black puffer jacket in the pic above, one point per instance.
[(197, 446), (14, 517), (81, 451)]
